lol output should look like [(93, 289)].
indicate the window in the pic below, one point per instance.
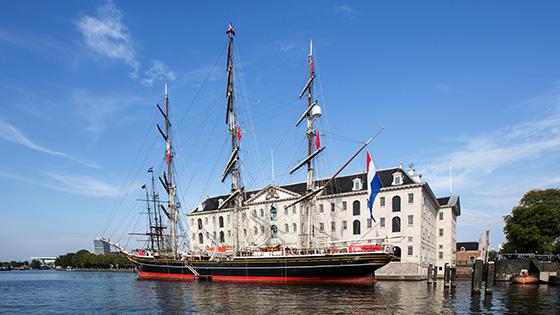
[(262, 213), (274, 231), (369, 223), (244, 215), (332, 206), (344, 205), (333, 226), (206, 220), (213, 220), (200, 238), (199, 221), (344, 225), (244, 232), (229, 233), (356, 207), (410, 239), (440, 246), (396, 224), (222, 237), (294, 210), (262, 229), (286, 227), (255, 230), (286, 211), (214, 235), (410, 219), (228, 218), (254, 213), (440, 268), (356, 227), (221, 221), (440, 232), (357, 184), (273, 213), (410, 198), (440, 255), (441, 215), (396, 204), (397, 178), (381, 222), (321, 227), (382, 201), (410, 250), (321, 208), (294, 227)]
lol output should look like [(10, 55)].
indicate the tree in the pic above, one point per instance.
[(534, 224), (35, 264)]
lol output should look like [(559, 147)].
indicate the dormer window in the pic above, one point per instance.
[(357, 184), (397, 179), (220, 202)]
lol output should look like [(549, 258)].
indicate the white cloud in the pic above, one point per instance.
[(12, 134), (107, 35), (345, 10), (81, 185), (158, 71)]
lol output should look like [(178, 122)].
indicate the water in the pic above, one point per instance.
[(62, 292)]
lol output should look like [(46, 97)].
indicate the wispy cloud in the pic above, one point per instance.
[(99, 111), (82, 185), (107, 35), (10, 133), (158, 71), (345, 10)]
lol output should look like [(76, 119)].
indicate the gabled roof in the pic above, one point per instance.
[(451, 201), (467, 245), (343, 184)]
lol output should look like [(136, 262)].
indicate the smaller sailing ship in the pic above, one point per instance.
[(308, 261)]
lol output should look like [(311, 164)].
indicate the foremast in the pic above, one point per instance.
[(232, 168)]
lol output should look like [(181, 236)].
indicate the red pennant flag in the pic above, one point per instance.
[(238, 133), (317, 140)]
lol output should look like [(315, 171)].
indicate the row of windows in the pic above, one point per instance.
[(396, 223), (355, 207), (396, 202)]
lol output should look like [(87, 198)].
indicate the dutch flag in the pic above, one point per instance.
[(374, 184)]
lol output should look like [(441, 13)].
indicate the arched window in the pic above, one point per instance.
[(356, 207), (200, 237), (356, 227), (254, 213), (262, 213), (222, 237), (294, 227), (199, 224), (255, 230), (274, 231), (221, 221), (273, 213), (262, 229), (396, 224), (396, 204), (286, 227)]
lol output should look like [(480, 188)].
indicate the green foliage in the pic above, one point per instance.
[(35, 264), (85, 259), (534, 225)]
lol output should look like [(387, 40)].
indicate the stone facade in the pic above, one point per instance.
[(406, 216)]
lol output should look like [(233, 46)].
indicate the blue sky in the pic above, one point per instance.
[(474, 85)]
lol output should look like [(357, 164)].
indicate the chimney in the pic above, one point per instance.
[(401, 165)]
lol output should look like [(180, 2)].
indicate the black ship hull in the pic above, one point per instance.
[(352, 268)]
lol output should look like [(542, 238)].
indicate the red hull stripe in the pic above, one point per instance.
[(187, 277)]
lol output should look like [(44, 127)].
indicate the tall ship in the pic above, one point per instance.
[(299, 252)]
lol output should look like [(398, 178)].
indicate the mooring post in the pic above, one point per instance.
[(476, 276), (434, 275), (453, 276), (429, 274), (446, 276), (490, 277)]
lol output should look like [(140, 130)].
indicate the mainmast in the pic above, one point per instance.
[(312, 112), (234, 130)]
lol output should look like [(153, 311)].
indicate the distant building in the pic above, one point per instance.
[(45, 261), (101, 248), (467, 253), (421, 227)]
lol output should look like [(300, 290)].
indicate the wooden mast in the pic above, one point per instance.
[(233, 166), (171, 187)]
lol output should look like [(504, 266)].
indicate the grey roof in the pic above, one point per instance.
[(467, 245), (340, 185)]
